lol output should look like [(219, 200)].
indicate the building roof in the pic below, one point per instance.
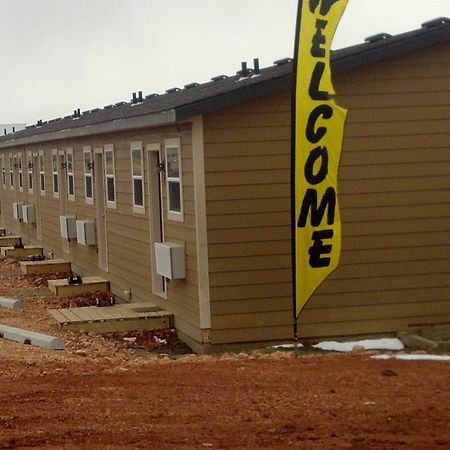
[(222, 91)]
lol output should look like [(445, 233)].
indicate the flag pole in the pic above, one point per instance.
[(293, 187)]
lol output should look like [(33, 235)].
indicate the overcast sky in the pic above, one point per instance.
[(60, 55)]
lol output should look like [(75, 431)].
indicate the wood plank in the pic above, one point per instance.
[(374, 297), (392, 156), (376, 312), (58, 316), (367, 327), (122, 325)]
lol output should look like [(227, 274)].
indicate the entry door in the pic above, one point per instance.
[(100, 206), (155, 213)]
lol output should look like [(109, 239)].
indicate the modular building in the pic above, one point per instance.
[(183, 199)]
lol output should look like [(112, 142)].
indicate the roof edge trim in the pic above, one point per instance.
[(132, 123)]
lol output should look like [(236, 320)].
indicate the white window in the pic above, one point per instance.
[(88, 172), (173, 180), (70, 174), (55, 179), (110, 176), (41, 172), (18, 164), (3, 172), (137, 177), (29, 163), (11, 171)]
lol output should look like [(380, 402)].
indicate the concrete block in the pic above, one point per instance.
[(30, 337), (436, 332), (22, 253), (10, 303), (10, 241), (443, 347), (62, 288), (46, 266), (415, 341)]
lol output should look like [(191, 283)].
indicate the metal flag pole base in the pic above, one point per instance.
[(296, 343)]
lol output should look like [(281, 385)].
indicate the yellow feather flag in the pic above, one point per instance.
[(318, 128)]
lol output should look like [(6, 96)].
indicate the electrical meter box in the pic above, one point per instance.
[(68, 227), (17, 210), (170, 260), (28, 215), (85, 232)]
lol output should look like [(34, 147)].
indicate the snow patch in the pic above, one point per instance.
[(287, 345), (368, 344), (414, 357)]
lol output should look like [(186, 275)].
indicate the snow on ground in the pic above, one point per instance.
[(368, 344), (288, 345), (414, 357)]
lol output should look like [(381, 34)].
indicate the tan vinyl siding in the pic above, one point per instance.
[(128, 234), (394, 194)]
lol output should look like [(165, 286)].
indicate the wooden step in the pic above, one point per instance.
[(45, 266), (62, 288), (22, 253), (123, 317), (10, 241)]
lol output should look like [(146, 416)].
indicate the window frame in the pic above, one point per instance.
[(174, 143), (109, 148), (70, 173), (41, 163), (3, 171), (88, 173), (11, 171), (19, 162), (30, 181), (54, 167), (137, 146)]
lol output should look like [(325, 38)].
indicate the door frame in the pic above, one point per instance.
[(37, 194), (100, 208), (156, 214)]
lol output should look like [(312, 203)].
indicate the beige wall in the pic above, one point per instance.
[(128, 233), (394, 193)]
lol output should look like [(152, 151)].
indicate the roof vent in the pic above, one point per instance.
[(137, 98), (282, 62), (245, 71), (76, 113), (191, 85), (108, 106), (219, 77), (436, 22), (39, 123), (256, 69), (151, 96), (174, 89), (377, 37)]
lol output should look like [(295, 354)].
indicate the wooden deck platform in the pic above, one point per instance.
[(62, 288), (10, 241), (122, 317), (22, 253), (45, 266)]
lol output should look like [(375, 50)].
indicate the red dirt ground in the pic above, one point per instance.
[(98, 395)]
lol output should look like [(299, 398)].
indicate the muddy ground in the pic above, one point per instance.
[(105, 393)]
